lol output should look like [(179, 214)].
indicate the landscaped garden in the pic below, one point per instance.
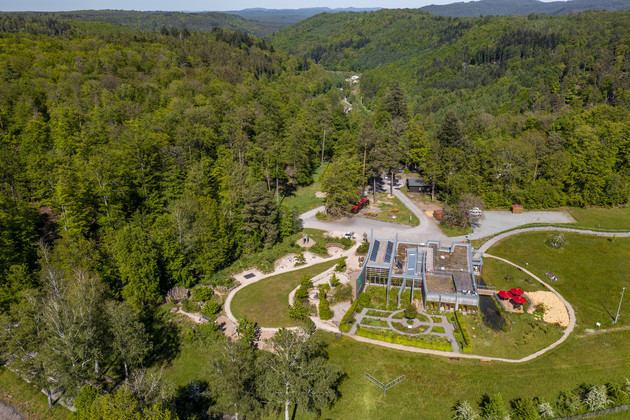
[(266, 301)]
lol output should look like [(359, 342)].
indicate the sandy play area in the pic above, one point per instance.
[(555, 311)]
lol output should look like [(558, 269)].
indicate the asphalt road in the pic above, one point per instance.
[(492, 223)]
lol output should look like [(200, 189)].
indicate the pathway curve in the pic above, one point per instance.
[(424, 223), (507, 234), (257, 278)]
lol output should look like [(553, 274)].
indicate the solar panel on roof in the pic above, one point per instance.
[(388, 251), (377, 244)]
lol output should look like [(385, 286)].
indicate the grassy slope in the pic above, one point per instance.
[(31, 403), (591, 272), (433, 384), (266, 301), (304, 198)]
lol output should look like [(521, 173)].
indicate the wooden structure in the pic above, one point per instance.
[(418, 185), (438, 214), (517, 209)]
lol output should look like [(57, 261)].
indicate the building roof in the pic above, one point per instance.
[(417, 182)]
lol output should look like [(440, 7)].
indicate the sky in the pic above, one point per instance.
[(203, 5)]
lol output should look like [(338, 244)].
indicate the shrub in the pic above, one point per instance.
[(345, 242), (405, 341), (305, 280), (249, 331), (321, 216), (544, 410), (208, 332), (334, 281), (298, 311), (342, 293), (301, 293), (492, 407), (348, 318), (341, 265), (464, 411), (210, 308), (569, 403), (524, 409), (556, 241), (324, 288), (202, 294), (363, 248), (85, 397), (319, 248), (190, 307), (617, 394), (324, 309), (596, 398), (467, 344), (364, 299), (410, 311)]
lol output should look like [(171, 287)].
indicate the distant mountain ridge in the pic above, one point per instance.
[(286, 17), (523, 7)]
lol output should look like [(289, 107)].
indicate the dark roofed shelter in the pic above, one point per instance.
[(418, 185)]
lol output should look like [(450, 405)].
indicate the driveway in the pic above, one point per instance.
[(493, 223)]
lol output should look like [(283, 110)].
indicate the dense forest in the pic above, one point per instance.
[(132, 163), (532, 110)]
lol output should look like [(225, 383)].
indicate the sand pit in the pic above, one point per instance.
[(555, 311)]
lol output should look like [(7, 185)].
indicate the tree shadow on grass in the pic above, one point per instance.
[(164, 337)]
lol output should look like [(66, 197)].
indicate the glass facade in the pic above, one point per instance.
[(377, 275)]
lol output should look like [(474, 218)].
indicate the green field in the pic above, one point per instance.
[(266, 301), (433, 384), (595, 217), (505, 277), (304, 197), (525, 336), (591, 272)]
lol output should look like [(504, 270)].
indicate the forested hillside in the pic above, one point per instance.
[(155, 21), (530, 110), (133, 163), (523, 7)]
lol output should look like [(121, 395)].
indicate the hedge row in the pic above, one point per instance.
[(348, 318), (406, 341), (467, 347)]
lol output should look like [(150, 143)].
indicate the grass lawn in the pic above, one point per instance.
[(434, 384), (304, 197), (505, 277), (451, 231), (29, 401), (396, 212), (266, 301), (595, 217), (526, 335), (591, 272)]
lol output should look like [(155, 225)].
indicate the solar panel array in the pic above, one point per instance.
[(375, 248), (388, 252)]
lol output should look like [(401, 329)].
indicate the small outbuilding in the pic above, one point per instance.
[(517, 209), (438, 214), (418, 185)]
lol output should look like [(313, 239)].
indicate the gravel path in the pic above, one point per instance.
[(8, 412)]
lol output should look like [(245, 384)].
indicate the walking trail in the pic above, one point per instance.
[(426, 229)]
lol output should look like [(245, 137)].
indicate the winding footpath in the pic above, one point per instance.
[(482, 251)]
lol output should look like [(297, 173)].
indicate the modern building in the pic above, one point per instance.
[(443, 277)]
